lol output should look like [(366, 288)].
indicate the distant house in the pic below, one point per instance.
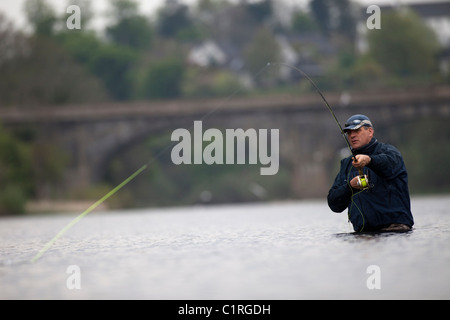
[(287, 55), (207, 54)]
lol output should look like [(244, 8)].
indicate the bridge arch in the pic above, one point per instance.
[(309, 137)]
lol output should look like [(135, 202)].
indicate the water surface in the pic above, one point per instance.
[(282, 250)]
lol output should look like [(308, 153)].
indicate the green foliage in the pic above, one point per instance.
[(400, 54), (46, 75), (263, 49), (424, 145), (131, 29), (403, 51), (41, 16), (81, 45), (335, 16), (347, 18), (367, 73), (48, 167), (12, 199), (134, 32), (29, 166), (164, 79), (114, 66), (320, 11), (137, 57), (123, 9), (261, 10), (404, 46), (303, 23), (15, 174), (173, 19), (216, 83)]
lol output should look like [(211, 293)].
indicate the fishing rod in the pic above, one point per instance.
[(363, 180)]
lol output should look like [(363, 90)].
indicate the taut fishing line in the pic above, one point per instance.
[(131, 177)]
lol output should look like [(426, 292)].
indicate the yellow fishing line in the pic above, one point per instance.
[(353, 201), (127, 180), (90, 209)]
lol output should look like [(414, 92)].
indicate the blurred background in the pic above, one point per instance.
[(83, 108)]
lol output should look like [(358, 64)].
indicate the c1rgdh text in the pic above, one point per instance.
[(226, 309)]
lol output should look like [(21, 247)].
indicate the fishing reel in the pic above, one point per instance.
[(363, 181)]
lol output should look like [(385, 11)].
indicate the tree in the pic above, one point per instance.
[(114, 65), (130, 28), (346, 23), (303, 23), (164, 79), (321, 13), (172, 19), (335, 17), (133, 32), (122, 9), (45, 74), (41, 16), (404, 46), (80, 45), (15, 174), (260, 10), (263, 49), (12, 42)]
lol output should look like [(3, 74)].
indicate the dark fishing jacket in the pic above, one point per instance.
[(386, 201)]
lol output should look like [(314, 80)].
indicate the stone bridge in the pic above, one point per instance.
[(310, 140)]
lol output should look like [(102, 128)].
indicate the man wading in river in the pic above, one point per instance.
[(379, 199)]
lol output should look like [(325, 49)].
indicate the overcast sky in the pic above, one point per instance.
[(15, 12)]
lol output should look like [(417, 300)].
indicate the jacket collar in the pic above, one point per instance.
[(368, 148)]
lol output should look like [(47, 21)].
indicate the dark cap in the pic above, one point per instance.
[(357, 121)]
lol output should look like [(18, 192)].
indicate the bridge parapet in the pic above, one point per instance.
[(93, 134), (203, 107)]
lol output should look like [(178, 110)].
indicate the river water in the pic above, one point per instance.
[(281, 250)]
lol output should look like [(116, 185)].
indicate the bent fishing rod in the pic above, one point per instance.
[(363, 180)]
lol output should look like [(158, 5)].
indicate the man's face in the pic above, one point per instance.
[(360, 137)]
